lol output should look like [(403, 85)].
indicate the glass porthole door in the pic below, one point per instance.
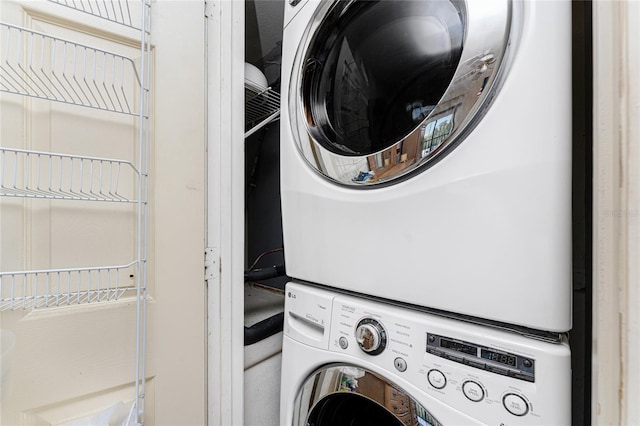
[(380, 89), (346, 395)]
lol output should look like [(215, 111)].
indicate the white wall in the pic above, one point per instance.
[(616, 322)]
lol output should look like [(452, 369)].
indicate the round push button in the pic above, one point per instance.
[(343, 342), (515, 404), (400, 364), (473, 391), (436, 379)]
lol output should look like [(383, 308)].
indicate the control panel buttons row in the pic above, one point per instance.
[(513, 403), (471, 389)]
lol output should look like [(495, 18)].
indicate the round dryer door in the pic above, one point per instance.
[(345, 395), (381, 89)]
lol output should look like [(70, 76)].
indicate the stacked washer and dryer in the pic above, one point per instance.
[(426, 203)]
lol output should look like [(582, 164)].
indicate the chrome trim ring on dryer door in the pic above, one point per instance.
[(343, 394), (382, 89)]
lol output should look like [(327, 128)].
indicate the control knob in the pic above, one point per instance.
[(371, 336)]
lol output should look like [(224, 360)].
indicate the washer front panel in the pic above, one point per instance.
[(381, 89), (425, 381)]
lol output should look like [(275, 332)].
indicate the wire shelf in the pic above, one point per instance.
[(35, 174), (63, 287), (45, 67), (261, 108), (118, 11)]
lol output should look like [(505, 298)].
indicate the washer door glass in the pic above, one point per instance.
[(342, 409), (375, 70), (345, 395), (380, 89)]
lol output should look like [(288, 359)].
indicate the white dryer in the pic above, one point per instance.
[(351, 361), (426, 153)]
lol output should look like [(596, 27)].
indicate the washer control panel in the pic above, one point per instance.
[(482, 357), (491, 375)]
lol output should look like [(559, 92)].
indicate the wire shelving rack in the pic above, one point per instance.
[(59, 287), (36, 174), (38, 65), (261, 107), (42, 66)]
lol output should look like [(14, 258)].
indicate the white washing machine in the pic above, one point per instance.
[(426, 153), (352, 361)]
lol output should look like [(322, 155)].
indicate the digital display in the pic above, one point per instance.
[(498, 357), (458, 347), (481, 357)]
